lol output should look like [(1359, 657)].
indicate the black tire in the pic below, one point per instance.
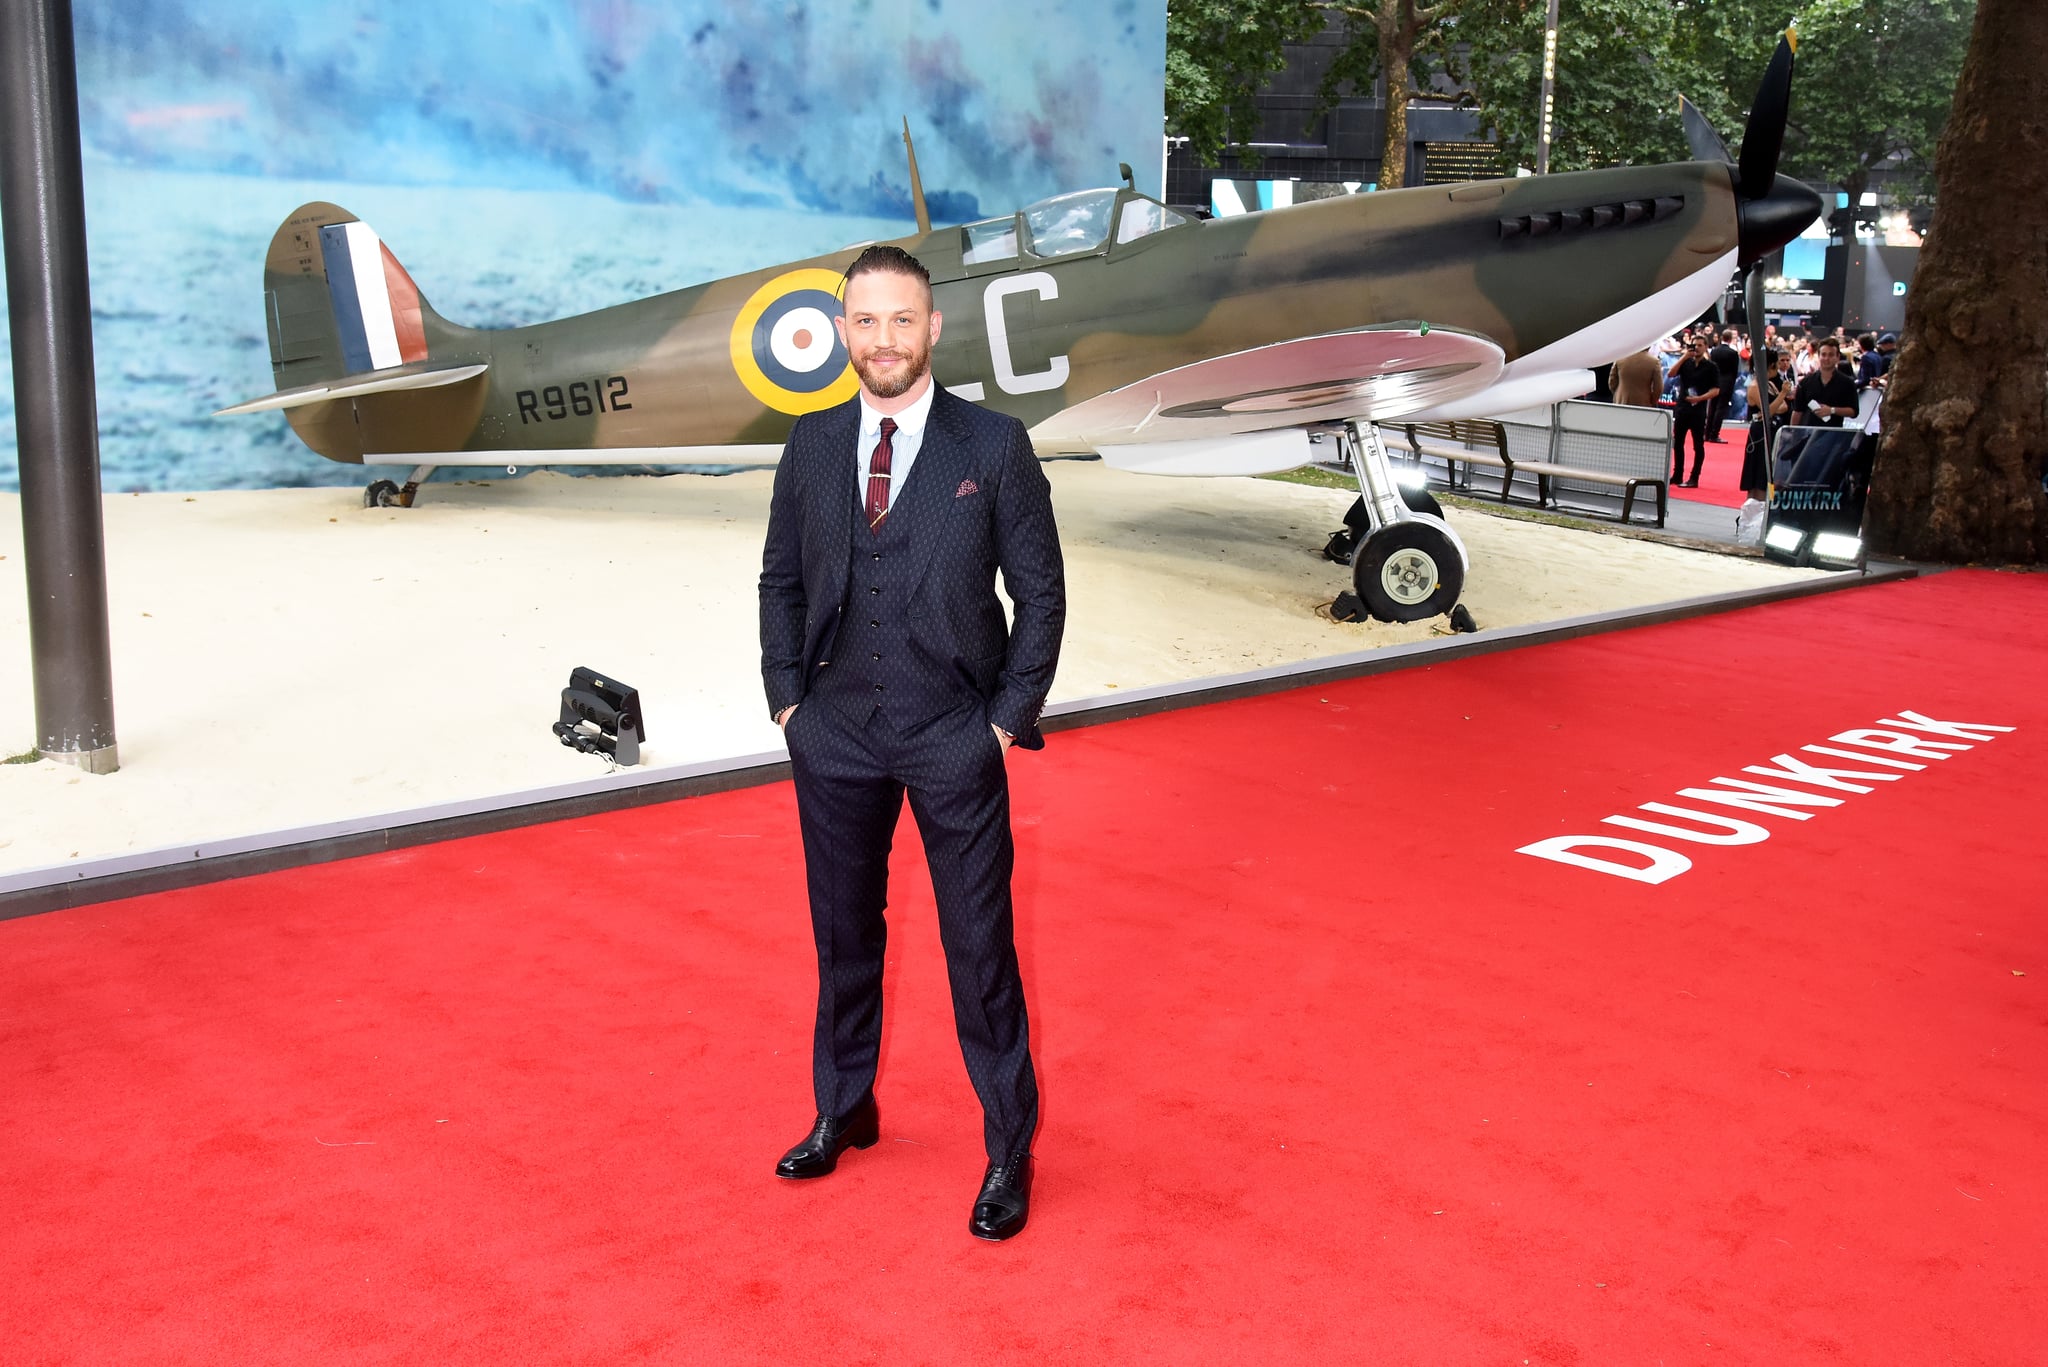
[(1408, 572), (382, 494), (1421, 501)]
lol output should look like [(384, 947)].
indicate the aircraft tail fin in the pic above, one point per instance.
[(340, 308)]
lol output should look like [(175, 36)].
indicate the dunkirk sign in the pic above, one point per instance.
[(1895, 746)]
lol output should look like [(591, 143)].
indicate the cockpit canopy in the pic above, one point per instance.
[(1068, 225)]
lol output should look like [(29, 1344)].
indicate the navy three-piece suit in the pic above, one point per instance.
[(895, 644)]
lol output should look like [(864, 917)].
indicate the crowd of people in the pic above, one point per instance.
[(1708, 378)]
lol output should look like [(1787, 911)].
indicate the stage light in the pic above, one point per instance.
[(601, 716), (1837, 550), (1784, 542)]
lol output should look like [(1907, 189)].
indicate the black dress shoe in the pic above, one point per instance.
[(819, 1152), (1004, 1200)]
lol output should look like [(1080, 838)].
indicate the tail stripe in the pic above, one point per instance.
[(354, 258), (405, 309)]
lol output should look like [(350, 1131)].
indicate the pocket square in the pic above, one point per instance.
[(967, 486)]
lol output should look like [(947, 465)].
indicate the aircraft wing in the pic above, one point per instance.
[(415, 376), (1377, 373)]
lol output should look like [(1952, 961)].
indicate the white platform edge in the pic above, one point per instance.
[(1383, 657)]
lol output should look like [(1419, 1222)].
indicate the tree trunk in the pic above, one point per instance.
[(1958, 476), (1397, 45)]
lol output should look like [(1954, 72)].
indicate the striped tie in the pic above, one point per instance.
[(878, 478)]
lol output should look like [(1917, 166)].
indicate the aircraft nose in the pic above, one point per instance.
[(1768, 223)]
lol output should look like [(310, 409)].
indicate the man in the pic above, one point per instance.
[(1728, 365), (1875, 365), (1637, 378), (1699, 384), (889, 668), (1828, 395)]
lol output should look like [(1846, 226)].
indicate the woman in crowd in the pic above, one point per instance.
[(1770, 404)]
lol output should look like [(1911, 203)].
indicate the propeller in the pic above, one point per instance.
[(1773, 209), (1764, 138), (1701, 136)]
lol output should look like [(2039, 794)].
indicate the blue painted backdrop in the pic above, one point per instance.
[(620, 148)]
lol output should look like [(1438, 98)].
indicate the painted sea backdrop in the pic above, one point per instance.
[(620, 148)]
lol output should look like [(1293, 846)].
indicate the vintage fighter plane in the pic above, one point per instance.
[(1104, 320)]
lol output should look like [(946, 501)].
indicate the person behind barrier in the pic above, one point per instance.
[(1699, 383), (1637, 378), (1770, 406), (1828, 395), (1728, 361)]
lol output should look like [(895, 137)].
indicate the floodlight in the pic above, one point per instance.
[(1784, 542), (601, 716), (1837, 550)]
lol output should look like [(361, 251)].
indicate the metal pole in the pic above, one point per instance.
[(1549, 90), (42, 199)]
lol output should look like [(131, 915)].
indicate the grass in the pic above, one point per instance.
[(1319, 478), (25, 757)]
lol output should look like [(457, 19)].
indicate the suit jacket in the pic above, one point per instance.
[(975, 502)]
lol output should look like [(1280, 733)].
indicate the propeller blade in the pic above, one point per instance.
[(1765, 137), (1706, 144)]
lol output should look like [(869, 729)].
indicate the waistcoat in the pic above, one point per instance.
[(873, 662)]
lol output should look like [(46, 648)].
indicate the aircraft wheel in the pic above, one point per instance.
[(1408, 572), (382, 494)]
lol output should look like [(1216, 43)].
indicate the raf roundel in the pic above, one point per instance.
[(786, 350)]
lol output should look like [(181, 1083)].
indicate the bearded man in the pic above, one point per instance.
[(891, 670)]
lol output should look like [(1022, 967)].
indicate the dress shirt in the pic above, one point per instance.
[(903, 447)]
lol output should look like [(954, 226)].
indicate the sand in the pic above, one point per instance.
[(287, 658)]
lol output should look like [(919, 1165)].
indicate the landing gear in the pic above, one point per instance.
[(1407, 572), (1407, 565), (1357, 522), (384, 493)]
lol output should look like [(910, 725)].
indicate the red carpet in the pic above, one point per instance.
[(1333, 1074), (1721, 474)]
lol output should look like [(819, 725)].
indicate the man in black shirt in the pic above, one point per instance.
[(1699, 384), (1728, 361), (1828, 395)]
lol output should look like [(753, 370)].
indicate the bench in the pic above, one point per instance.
[(1465, 440), (1546, 471)]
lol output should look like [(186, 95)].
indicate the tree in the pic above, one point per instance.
[(1218, 54), (1619, 76), (1875, 81), (1388, 36), (1958, 477)]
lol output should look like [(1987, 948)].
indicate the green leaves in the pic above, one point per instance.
[(1873, 85), (1218, 54)]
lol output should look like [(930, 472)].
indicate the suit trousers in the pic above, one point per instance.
[(851, 777), (1689, 417)]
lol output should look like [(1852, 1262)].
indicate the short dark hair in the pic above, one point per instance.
[(894, 261), (1834, 342)]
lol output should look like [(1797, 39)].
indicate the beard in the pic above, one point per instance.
[(887, 385)]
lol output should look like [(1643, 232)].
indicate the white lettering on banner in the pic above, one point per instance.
[(1799, 771), (1867, 759), (1961, 730), (1899, 742), (1760, 797), (1766, 799), (1732, 832), (1565, 850), (1007, 378)]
